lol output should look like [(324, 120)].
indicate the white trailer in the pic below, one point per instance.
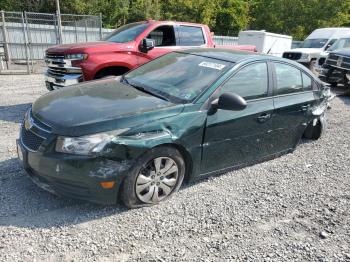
[(266, 42)]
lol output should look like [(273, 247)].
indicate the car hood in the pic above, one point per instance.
[(305, 50), (99, 106), (90, 47), (344, 52)]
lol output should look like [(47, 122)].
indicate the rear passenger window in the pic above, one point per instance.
[(288, 79), (307, 82), (191, 36), (250, 82)]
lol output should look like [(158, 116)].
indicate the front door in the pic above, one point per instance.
[(235, 137), (165, 42)]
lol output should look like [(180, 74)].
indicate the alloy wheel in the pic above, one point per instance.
[(157, 180)]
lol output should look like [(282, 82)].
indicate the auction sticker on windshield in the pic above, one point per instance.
[(212, 65)]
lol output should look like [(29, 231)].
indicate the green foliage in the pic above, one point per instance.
[(226, 17), (299, 17)]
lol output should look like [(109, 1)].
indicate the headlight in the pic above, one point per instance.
[(85, 145), (305, 56), (76, 56)]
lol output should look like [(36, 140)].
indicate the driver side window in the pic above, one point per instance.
[(251, 82), (163, 36)]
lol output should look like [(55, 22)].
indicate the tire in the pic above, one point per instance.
[(314, 132), (146, 187)]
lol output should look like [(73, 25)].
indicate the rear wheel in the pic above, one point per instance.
[(157, 175), (315, 130)]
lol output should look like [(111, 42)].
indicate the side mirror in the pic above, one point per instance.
[(230, 101), (146, 45)]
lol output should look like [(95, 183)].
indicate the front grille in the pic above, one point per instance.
[(57, 71), (58, 66), (40, 124), (341, 62), (36, 133), (54, 56), (31, 140), (292, 55), (332, 57)]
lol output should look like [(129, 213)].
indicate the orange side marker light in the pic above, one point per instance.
[(108, 184)]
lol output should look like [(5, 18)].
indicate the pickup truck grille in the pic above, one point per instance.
[(54, 57), (292, 55), (338, 61), (60, 71)]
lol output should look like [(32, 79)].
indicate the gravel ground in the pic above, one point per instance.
[(296, 207)]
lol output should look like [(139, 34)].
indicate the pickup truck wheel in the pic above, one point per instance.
[(157, 175)]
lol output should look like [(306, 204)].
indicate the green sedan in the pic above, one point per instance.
[(183, 116)]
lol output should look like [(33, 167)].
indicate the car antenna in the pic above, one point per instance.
[(271, 47)]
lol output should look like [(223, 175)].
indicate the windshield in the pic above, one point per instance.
[(126, 33), (314, 43), (179, 77), (340, 44)]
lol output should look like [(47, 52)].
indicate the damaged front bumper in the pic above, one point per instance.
[(77, 177)]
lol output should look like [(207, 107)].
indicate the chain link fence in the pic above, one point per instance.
[(24, 37)]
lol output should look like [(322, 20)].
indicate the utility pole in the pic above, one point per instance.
[(59, 22)]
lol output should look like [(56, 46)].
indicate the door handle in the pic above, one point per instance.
[(264, 117), (305, 107)]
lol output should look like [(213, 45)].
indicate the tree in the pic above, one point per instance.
[(298, 17), (232, 16)]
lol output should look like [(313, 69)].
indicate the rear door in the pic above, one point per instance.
[(190, 36), (235, 137), (293, 98)]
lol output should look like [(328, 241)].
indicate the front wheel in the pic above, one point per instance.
[(157, 175)]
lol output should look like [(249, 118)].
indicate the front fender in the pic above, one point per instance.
[(97, 62)]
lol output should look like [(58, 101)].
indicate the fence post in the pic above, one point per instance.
[(25, 37), (59, 26), (86, 36), (5, 37), (29, 41), (100, 26)]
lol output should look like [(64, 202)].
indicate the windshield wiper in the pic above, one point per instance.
[(141, 88)]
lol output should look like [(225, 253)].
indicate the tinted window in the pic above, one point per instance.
[(250, 82), (314, 43), (288, 79), (307, 82), (126, 33), (163, 36), (191, 36)]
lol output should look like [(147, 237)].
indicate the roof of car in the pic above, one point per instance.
[(233, 56), (223, 54)]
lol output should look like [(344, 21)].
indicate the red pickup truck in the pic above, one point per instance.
[(126, 48)]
